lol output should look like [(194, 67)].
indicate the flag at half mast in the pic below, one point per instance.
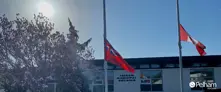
[(184, 36), (112, 56)]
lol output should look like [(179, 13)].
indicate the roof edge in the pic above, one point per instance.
[(167, 57)]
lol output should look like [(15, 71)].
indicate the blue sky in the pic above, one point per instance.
[(135, 28), (148, 28)]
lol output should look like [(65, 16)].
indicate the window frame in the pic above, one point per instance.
[(110, 77), (101, 78), (145, 66), (200, 69), (151, 78), (154, 65)]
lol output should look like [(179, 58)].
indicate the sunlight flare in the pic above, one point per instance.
[(46, 9)]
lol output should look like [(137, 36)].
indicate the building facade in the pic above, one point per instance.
[(160, 74)]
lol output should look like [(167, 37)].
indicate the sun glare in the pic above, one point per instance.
[(46, 9)]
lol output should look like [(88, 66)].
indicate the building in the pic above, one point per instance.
[(159, 74)]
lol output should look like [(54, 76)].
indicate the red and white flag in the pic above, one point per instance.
[(112, 56), (184, 36)]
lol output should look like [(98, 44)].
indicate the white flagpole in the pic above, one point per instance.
[(105, 36), (180, 48)]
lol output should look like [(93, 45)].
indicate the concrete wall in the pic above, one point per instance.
[(217, 75), (171, 80), (186, 80), (131, 86)]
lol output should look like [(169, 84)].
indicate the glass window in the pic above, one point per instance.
[(157, 87), (118, 67), (134, 66), (170, 65), (110, 67), (145, 87), (144, 66), (110, 75), (204, 64), (152, 73), (196, 64), (157, 81), (99, 75), (100, 68), (177, 65), (111, 88), (151, 80), (201, 75), (98, 82), (50, 87), (155, 65), (110, 82), (89, 81), (98, 88)]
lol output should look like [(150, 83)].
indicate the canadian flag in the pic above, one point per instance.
[(184, 36)]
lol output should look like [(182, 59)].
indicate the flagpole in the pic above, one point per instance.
[(180, 48), (105, 36)]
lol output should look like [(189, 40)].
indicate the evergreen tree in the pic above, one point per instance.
[(31, 56)]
